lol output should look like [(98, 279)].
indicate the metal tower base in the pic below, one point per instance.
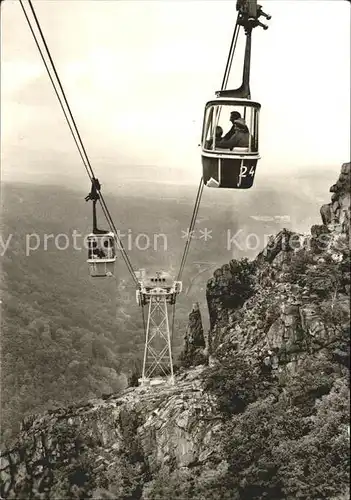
[(158, 363), (156, 381)]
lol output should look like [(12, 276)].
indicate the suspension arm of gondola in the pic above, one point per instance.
[(94, 197), (248, 18), (244, 90)]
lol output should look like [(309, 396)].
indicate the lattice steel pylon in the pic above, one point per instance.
[(158, 291)]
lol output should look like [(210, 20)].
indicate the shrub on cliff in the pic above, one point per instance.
[(236, 383), (291, 439), (317, 464), (300, 261), (242, 284), (275, 451), (324, 279), (188, 484)]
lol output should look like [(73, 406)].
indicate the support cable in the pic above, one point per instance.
[(226, 75), (74, 129), (187, 246), (229, 63), (191, 228)]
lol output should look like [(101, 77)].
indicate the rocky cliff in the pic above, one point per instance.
[(265, 414), (278, 302), (112, 448)]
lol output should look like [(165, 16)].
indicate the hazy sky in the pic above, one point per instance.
[(138, 73)]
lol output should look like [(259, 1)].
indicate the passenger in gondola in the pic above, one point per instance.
[(109, 249), (240, 139), (92, 247), (234, 115), (99, 253), (219, 133)]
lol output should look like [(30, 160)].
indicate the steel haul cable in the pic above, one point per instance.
[(74, 128), (201, 186)]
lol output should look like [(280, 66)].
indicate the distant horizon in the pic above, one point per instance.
[(262, 181), (102, 168)]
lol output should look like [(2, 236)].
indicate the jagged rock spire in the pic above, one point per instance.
[(336, 214), (194, 340)]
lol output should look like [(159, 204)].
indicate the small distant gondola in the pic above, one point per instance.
[(101, 244), (101, 254)]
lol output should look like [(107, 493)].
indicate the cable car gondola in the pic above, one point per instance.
[(101, 254), (227, 164), (229, 157)]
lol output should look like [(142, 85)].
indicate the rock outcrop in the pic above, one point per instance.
[(194, 352), (112, 447), (276, 305), (336, 214)]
